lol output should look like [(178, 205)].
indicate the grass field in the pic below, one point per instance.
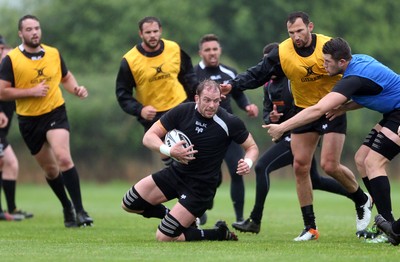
[(118, 236)]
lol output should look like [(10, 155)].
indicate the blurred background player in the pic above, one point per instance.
[(31, 75), (210, 67), (10, 167), (159, 72)]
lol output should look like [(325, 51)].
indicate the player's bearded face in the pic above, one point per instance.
[(210, 53), (31, 33), (151, 35), (300, 33), (32, 42)]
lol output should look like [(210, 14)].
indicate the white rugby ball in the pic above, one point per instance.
[(174, 136)]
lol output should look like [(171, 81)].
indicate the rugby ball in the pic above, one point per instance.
[(174, 136)]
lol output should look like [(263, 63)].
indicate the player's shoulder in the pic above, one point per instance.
[(228, 68)]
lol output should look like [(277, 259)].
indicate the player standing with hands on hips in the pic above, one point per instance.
[(30, 74), (194, 179)]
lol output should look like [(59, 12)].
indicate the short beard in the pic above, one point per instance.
[(32, 45), (151, 47)]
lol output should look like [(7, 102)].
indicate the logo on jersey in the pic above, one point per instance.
[(310, 75), (324, 126), (215, 77), (41, 76), (160, 74), (200, 127)]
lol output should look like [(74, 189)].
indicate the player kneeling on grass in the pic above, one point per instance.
[(194, 176)]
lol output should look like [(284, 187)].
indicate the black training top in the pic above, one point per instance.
[(222, 74), (210, 136)]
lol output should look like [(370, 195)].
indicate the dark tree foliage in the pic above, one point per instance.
[(93, 35)]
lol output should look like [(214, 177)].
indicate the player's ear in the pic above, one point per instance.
[(196, 98), (310, 26)]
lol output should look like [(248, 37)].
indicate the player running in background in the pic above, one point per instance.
[(10, 168), (210, 67), (31, 74), (154, 76)]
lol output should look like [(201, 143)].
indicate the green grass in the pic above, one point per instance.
[(119, 236)]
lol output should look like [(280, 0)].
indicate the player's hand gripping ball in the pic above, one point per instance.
[(174, 136)]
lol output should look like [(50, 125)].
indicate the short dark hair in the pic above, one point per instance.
[(209, 84), (2, 40), (149, 19), (22, 19), (298, 14), (338, 48), (268, 48), (208, 38)]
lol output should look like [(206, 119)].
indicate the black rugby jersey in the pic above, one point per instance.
[(222, 74), (210, 136)]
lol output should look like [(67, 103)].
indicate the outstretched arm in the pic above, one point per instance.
[(307, 115)]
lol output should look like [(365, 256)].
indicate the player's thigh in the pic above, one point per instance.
[(303, 147), (59, 141), (149, 191), (184, 216), (332, 147)]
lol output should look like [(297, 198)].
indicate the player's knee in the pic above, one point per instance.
[(359, 159), (132, 202), (65, 162), (160, 236), (330, 167), (169, 229)]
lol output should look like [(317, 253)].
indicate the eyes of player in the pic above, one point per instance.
[(208, 100)]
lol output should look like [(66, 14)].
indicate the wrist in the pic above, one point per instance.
[(165, 150), (249, 162)]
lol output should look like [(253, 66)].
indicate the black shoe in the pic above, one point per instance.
[(223, 232), (386, 227), (5, 216), (21, 213), (83, 219), (70, 217), (247, 225), (370, 232), (203, 219)]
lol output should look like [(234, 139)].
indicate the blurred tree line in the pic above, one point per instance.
[(93, 35)]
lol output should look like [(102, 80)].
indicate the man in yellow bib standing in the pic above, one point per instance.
[(300, 58), (31, 74), (160, 74)]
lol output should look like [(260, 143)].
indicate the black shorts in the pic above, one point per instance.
[(382, 144), (34, 128), (324, 126), (195, 195)]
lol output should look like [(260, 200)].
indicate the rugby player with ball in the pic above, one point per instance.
[(194, 176)]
